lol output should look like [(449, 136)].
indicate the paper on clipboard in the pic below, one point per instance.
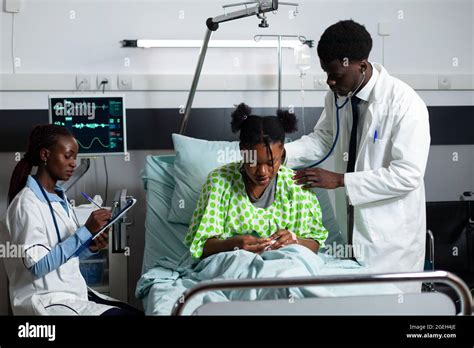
[(130, 203)]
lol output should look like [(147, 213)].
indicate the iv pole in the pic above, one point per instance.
[(303, 40), (212, 25)]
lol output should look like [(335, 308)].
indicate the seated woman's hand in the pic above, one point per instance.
[(282, 238), (250, 243)]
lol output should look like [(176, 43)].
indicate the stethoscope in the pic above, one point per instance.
[(54, 218), (338, 109), (52, 210)]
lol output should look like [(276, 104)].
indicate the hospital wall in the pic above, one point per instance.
[(57, 40)]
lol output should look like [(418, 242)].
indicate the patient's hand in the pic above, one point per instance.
[(244, 242), (281, 238), (250, 243)]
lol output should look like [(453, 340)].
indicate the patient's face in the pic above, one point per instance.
[(259, 165)]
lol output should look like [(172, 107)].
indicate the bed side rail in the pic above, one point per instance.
[(436, 276)]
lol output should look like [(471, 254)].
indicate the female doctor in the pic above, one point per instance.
[(45, 279)]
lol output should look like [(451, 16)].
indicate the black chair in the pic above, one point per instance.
[(451, 226)]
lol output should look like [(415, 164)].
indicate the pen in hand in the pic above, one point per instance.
[(86, 196)]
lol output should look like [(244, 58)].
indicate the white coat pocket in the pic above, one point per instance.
[(386, 220), (376, 153)]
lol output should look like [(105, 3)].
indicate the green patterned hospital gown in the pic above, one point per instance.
[(224, 210)]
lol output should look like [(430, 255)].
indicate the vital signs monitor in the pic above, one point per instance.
[(97, 122)]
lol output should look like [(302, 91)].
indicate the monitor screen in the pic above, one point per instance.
[(97, 122)]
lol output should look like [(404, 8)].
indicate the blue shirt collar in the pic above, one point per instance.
[(33, 185)]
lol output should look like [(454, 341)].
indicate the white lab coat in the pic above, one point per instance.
[(387, 187), (28, 223)]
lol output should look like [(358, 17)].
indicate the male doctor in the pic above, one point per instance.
[(380, 155)]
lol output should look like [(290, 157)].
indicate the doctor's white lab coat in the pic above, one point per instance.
[(387, 187), (28, 223)]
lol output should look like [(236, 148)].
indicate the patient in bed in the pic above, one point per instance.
[(254, 204), (252, 221)]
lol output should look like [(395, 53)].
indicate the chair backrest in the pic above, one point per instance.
[(453, 235), (402, 304)]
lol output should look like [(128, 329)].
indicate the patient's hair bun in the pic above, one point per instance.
[(239, 116), (288, 120)]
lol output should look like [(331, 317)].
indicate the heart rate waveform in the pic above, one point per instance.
[(84, 125), (103, 107), (97, 122), (92, 143), (90, 125)]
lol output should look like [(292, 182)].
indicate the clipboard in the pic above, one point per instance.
[(130, 203)]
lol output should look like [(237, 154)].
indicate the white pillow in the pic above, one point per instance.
[(195, 158)]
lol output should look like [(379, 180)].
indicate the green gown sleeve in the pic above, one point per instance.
[(315, 229), (208, 217)]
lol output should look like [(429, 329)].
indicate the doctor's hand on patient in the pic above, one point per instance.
[(317, 177)]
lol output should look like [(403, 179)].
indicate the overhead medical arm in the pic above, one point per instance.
[(259, 9)]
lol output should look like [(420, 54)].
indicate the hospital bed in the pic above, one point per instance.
[(164, 239), (431, 303)]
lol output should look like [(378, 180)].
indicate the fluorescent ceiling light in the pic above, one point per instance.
[(217, 43)]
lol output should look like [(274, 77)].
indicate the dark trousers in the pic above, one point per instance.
[(121, 309)]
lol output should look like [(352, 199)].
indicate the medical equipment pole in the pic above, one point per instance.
[(212, 25), (437, 276), (279, 71), (197, 74), (280, 57)]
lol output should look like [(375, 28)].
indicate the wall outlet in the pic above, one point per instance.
[(444, 82), (83, 82), (125, 82), (108, 82), (13, 6)]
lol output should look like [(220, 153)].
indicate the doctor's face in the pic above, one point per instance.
[(343, 79), (61, 158), (261, 171)]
